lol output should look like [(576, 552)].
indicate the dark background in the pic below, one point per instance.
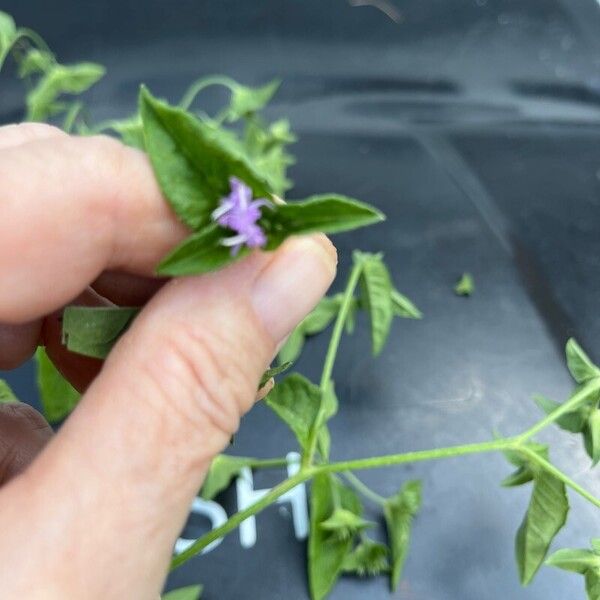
[(474, 124)]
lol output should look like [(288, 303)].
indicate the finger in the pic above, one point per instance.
[(72, 208), (21, 133), (23, 433), (135, 451), (125, 289), (18, 343)]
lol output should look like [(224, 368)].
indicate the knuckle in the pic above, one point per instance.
[(194, 372)]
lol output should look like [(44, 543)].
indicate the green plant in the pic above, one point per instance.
[(225, 182)]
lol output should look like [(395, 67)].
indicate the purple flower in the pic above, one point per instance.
[(240, 213)]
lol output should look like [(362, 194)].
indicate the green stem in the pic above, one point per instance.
[(412, 457), (550, 468), (268, 463), (363, 489), (197, 87), (235, 520), (589, 389), (334, 342), (307, 473)]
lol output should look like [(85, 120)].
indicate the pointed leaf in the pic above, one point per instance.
[(58, 80), (291, 350), (593, 436), (202, 252), (247, 100), (58, 396), (7, 396), (327, 553), (581, 367), (399, 511), (327, 213), (272, 372), (190, 592), (545, 516), (592, 584), (578, 561), (222, 470), (368, 558), (571, 421), (94, 331), (193, 160), (403, 307), (35, 61), (376, 289), (296, 401)]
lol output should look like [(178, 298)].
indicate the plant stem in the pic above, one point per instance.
[(307, 473), (235, 520), (268, 463), (338, 328), (363, 489), (589, 389), (334, 342), (412, 457), (197, 87), (550, 468)]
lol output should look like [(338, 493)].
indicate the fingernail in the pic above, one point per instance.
[(293, 282)]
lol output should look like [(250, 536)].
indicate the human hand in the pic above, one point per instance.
[(96, 514)]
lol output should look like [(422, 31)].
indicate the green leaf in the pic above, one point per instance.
[(327, 213), (8, 33), (581, 367), (399, 511), (292, 348), (545, 516), (578, 561), (193, 160), (296, 401), (58, 396), (465, 285), (247, 100), (345, 524), (572, 421), (60, 79), (222, 470), (202, 252), (368, 558), (266, 148), (190, 592), (326, 552), (94, 331), (595, 543), (403, 307), (592, 436), (272, 372), (7, 396), (35, 61), (315, 322), (592, 584), (376, 289)]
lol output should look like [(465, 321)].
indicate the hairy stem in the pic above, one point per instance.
[(235, 520), (363, 488), (197, 87), (550, 468), (332, 350)]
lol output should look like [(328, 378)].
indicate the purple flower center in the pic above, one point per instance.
[(239, 212)]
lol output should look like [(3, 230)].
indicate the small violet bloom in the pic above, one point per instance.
[(240, 213)]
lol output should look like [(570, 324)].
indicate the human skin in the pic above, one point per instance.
[(94, 511)]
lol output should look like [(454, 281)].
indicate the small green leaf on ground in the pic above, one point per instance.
[(465, 285)]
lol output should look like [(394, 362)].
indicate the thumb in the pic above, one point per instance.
[(120, 475)]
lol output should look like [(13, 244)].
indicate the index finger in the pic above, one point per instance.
[(71, 208)]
